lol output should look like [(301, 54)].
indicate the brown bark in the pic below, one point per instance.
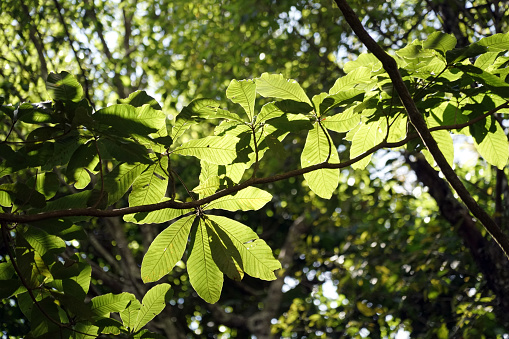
[(488, 256)]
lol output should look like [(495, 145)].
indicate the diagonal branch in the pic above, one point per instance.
[(418, 122)]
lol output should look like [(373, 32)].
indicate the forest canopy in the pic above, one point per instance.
[(321, 169)]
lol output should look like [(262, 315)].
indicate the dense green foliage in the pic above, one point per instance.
[(186, 185)]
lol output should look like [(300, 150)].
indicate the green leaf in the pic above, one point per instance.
[(250, 198), (130, 314), (459, 54), (124, 150), (220, 150), (140, 98), (367, 60), (6, 270), (120, 179), (152, 304), (21, 194), (439, 41), (63, 86), (126, 120), (442, 137), (43, 242), (491, 143), (368, 134), (83, 161), (341, 98), (496, 43), (225, 254), (243, 93), (45, 183), (196, 111), (351, 80), (104, 304), (256, 256), (342, 122), (276, 86), (268, 111), (156, 217), (150, 187), (204, 275), (166, 250), (318, 149)]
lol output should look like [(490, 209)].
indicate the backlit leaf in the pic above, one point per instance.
[(257, 258), (243, 93), (220, 150), (152, 304), (250, 198), (166, 250), (276, 86), (64, 86), (318, 149), (204, 275)]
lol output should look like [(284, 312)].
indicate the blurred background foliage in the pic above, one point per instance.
[(377, 260)]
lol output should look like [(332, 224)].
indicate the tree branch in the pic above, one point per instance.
[(419, 123)]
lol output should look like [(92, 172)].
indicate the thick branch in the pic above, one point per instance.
[(419, 123)]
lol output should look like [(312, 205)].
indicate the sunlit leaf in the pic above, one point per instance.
[(166, 250), (243, 93), (256, 256), (63, 86), (250, 198), (103, 305), (318, 149), (150, 187), (276, 86), (152, 304), (493, 145), (365, 138), (217, 150), (204, 275)]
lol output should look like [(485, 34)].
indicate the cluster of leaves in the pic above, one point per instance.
[(76, 163)]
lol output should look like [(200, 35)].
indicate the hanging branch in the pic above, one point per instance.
[(418, 122)]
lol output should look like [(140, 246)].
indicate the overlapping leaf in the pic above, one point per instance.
[(276, 86), (243, 93), (166, 250), (318, 149), (217, 150), (250, 198)]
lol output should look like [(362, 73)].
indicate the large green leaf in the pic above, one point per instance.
[(140, 98), (318, 149), (130, 314), (220, 150), (43, 242), (276, 86), (439, 41), (497, 42), (342, 122), (64, 86), (443, 138), (83, 161), (196, 111), (156, 217), (243, 93), (152, 304), (166, 250), (352, 79), (150, 187), (368, 134), (250, 198), (493, 145), (256, 258), (120, 179), (204, 275), (269, 111), (225, 254), (127, 120), (104, 304)]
